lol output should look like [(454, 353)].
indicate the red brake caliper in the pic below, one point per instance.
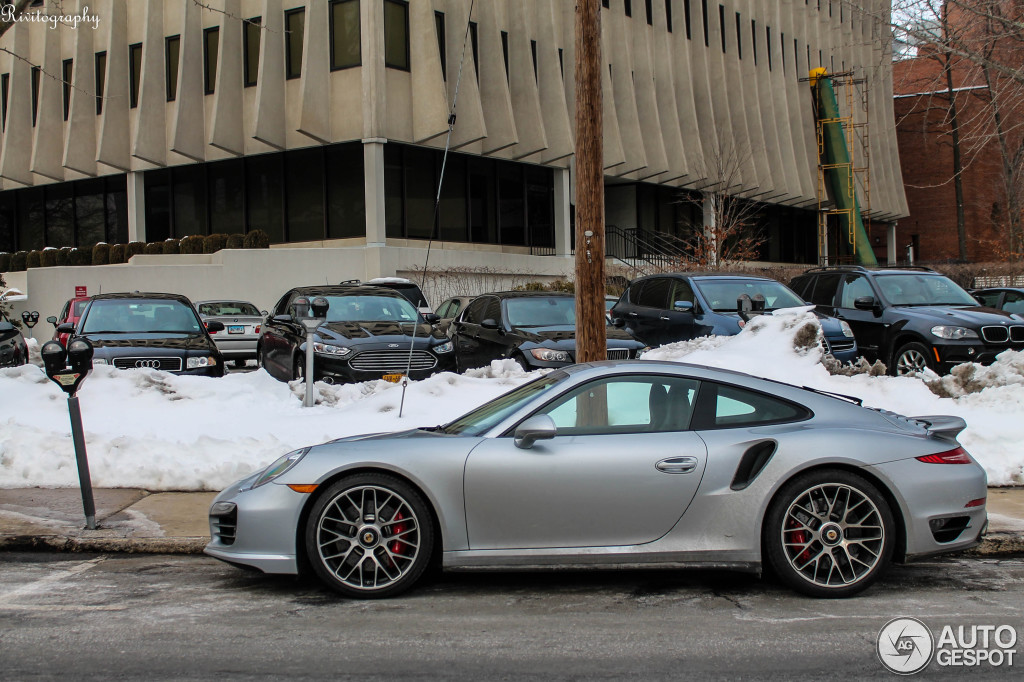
[(799, 536), (398, 529)]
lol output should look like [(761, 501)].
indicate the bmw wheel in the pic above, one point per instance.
[(370, 535), (912, 358), (829, 533)]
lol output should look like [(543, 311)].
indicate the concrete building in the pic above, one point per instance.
[(323, 123)]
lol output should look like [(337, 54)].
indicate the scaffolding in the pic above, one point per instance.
[(848, 167)]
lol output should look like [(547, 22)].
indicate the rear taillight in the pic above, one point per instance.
[(257, 329), (956, 456), (207, 325), (980, 502)]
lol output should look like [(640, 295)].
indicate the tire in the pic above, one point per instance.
[(357, 554), (912, 358), (521, 361), (238, 364), (838, 550)]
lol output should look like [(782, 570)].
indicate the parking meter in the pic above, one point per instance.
[(319, 307), (68, 369), (30, 319), (300, 308)]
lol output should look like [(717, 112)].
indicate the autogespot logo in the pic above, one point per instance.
[(905, 646)]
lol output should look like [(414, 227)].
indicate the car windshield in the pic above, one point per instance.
[(228, 308), (487, 415), (721, 294), (542, 311), (79, 307), (370, 309), (126, 316), (923, 289)]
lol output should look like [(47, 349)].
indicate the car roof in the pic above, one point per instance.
[(346, 290), (225, 300), (142, 294), (875, 270), (529, 294), (708, 275)]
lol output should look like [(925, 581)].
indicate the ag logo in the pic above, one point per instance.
[(905, 646)]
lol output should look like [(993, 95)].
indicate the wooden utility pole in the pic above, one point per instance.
[(591, 340)]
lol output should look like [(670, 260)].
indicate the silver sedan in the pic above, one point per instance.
[(617, 464), (242, 323)]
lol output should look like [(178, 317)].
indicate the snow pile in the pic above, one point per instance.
[(158, 431)]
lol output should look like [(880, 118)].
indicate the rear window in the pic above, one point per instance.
[(228, 308), (655, 293), (824, 292)]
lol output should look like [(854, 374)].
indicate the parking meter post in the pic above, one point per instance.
[(308, 401), (78, 437)]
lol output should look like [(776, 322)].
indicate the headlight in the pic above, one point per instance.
[(643, 350), (446, 347), (845, 326), (196, 363), (283, 464), (945, 332), (548, 355), (330, 349), (100, 361)]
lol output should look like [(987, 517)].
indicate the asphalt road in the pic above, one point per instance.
[(186, 617)]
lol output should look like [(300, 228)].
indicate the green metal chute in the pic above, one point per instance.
[(838, 166)]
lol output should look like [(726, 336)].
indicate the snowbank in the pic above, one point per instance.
[(159, 431)]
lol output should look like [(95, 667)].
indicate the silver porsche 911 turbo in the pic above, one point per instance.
[(615, 464)]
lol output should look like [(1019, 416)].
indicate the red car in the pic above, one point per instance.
[(71, 312)]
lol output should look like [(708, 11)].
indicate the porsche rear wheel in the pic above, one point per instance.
[(829, 533), (370, 536)]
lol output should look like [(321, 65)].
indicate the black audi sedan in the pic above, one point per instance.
[(13, 350), (369, 333), (534, 328), (145, 330)]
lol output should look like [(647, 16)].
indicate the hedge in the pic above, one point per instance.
[(171, 246), (133, 249), (48, 258), (235, 241), (19, 261), (33, 260), (64, 256), (101, 254), (214, 243), (81, 256), (116, 254), (257, 239), (5, 262), (192, 244), (153, 248)]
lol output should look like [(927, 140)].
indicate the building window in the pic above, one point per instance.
[(66, 73), (504, 51), (533, 52), (753, 38), (650, 12), (686, 17), (345, 34), (251, 50), (606, 3), (629, 8), (439, 28), (172, 50), (668, 14), (721, 25), (739, 36), (294, 26), (768, 36), (476, 48), (134, 73), (5, 82), (396, 34), (782, 53), (211, 47), (101, 79), (36, 72), (704, 11)]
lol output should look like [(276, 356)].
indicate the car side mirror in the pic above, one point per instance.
[(66, 328), (538, 427), (431, 318), (683, 306), (864, 303), (52, 319), (5, 326), (980, 299), (214, 326), (489, 324), (264, 313), (282, 318), (618, 322)]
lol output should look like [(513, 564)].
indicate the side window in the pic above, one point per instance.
[(282, 306), (855, 286), (1014, 302), (443, 310), (824, 289), (655, 293), (625, 404), (474, 312), (454, 308), (493, 310), (991, 299), (723, 407), (633, 293), (799, 285), (681, 291)]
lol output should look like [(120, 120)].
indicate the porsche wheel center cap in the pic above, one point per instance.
[(368, 537), (831, 534)]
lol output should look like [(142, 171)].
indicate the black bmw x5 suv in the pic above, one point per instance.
[(911, 318)]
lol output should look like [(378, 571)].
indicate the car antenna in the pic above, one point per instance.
[(437, 203)]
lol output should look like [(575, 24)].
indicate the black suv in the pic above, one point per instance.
[(911, 318), (367, 335)]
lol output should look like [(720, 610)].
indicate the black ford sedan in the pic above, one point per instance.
[(534, 328), (369, 333), (13, 350), (149, 331)]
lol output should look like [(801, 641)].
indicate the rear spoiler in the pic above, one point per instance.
[(942, 425)]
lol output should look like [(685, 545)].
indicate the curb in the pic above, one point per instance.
[(63, 543)]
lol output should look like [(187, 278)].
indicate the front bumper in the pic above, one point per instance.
[(951, 354), (263, 531), (339, 371), (932, 499)]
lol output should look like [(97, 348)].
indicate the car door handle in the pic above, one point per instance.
[(632, 314), (677, 465), (665, 318)]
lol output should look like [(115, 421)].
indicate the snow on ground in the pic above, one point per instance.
[(159, 431)]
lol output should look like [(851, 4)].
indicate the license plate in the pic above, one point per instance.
[(236, 329), (393, 378)]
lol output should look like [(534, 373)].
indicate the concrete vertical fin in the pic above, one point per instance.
[(559, 127), (315, 89), (80, 142), (270, 124), (226, 129), (151, 124), (613, 38), (644, 92), (188, 136), (495, 97), (429, 98), (48, 135), (471, 125), (523, 84), (114, 149), (17, 148)]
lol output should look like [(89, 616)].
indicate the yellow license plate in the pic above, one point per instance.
[(393, 378)]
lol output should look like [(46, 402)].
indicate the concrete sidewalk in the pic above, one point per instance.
[(176, 523)]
